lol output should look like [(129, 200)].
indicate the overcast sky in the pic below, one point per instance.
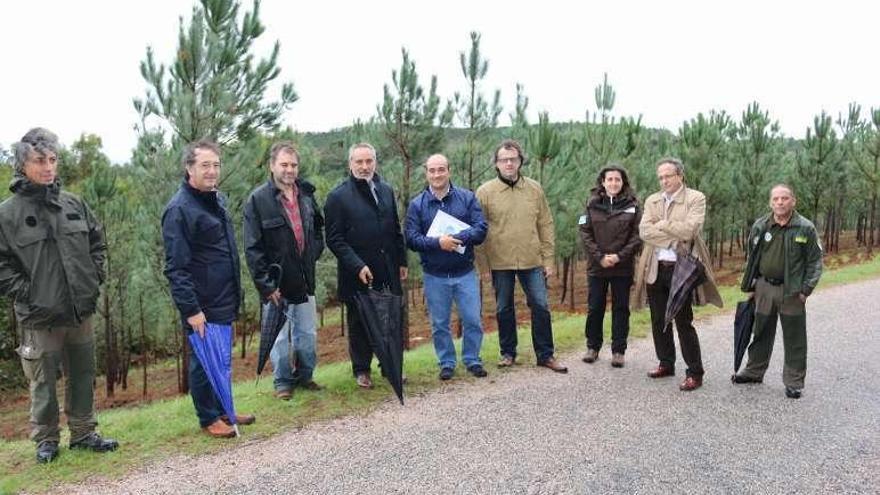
[(73, 66)]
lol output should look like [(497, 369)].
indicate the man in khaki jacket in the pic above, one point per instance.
[(671, 224), (519, 245)]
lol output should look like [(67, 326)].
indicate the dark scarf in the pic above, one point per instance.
[(509, 182), (47, 194)]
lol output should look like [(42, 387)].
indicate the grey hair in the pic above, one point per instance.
[(783, 185), (675, 162), (359, 146), (282, 146), (189, 153), (37, 140)]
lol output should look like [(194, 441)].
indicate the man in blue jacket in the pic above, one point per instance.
[(202, 267), (448, 264)]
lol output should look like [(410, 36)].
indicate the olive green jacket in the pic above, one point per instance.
[(51, 255), (520, 235), (803, 256)]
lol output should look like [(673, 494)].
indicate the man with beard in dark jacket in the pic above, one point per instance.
[(52, 255), (201, 264), (363, 231), (610, 233), (284, 227)]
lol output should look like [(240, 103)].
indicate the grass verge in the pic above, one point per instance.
[(169, 428)]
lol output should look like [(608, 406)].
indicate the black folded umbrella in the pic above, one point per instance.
[(742, 330), (689, 273), (382, 317), (271, 322)]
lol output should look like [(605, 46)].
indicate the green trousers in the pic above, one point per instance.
[(47, 354), (770, 302)]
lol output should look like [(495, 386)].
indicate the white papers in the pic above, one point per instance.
[(444, 223)]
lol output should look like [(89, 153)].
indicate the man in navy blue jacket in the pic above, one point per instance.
[(448, 264), (202, 267)]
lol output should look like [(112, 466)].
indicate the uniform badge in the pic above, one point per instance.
[(768, 237)]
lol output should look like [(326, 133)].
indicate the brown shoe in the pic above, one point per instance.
[(617, 360), (506, 361), (363, 380), (591, 356), (554, 365), (242, 419), (312, 385), (284, 394), (691, 383), (219, 429), (661, 371)]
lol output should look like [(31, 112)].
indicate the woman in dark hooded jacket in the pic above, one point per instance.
[(609, 230)]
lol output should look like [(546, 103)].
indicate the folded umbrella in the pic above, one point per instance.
[(742, 330), (689, 273), (214, 351), (271, 322), (382, 317)]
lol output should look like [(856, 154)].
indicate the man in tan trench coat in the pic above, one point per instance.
[(671, 224)]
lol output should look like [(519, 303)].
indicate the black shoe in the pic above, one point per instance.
[(446, 373), (47, 451), (95, 443), (737, 378), (477, 370), (793, 393)]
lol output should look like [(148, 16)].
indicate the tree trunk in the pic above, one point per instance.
[(342, 319), (110, 371), (565, 266), (144, 354), (571, 288)]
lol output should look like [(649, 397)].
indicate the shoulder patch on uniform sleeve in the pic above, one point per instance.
[(801, 239)]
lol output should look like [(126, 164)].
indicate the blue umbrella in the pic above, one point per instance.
[(214, 351)]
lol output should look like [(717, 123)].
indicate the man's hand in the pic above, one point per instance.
[(366, 275), (609, 260), (449, 243), (197, 322), (275, 297), (802, 297), (548, 271), (404, 272)]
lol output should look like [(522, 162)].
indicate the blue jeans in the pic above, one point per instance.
[(302, 326), (535, 286), (465, 291)]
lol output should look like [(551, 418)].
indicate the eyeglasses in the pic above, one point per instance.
[(514, 159)]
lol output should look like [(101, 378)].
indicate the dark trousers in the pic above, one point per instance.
[(619, 311), (358, 341), (664, 344), (208, 408), (770, 302), (535, 287)]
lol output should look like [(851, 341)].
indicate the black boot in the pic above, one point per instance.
[(95, 443), (47, 451)]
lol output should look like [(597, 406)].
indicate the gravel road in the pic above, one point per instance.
[(595, 430)]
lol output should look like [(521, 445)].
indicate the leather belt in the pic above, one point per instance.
[(665, 264), (773, 281)]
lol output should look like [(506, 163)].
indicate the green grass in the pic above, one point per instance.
[(165, 428)]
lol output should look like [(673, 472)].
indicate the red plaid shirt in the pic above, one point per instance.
[(292, 209)]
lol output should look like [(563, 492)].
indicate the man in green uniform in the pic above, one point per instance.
[(51, 263), (784, 265)]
